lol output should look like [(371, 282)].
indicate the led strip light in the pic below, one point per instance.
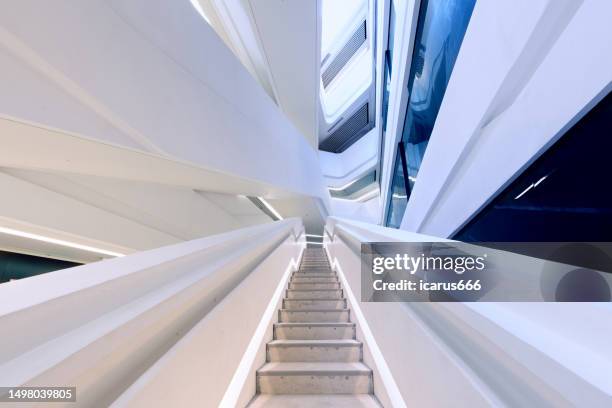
[(22, 234)]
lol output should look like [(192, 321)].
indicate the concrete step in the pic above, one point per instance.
[(312, 401), (314, 294), (314, 274), (317, 279), (314, 378), (309, 304), (314, 350), (326, 268), (313, 286), (314, 331), (321, 315)]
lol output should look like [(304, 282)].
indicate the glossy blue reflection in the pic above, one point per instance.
[(388, 66), (398, 195), (440, 29), (564, 196)]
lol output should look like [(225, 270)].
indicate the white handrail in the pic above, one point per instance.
[(516, 354), (99, 326)]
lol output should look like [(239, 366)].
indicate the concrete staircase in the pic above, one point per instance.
[(314, 359)]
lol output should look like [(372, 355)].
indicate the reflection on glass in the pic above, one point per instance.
[(388, 64), (564, 196), (398, 194), (440, 29)]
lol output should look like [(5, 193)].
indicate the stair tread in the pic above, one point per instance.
[(315, 290), (315, 299), (314, 368), (321, 401), (322, 324), (335, 342), (314, 310)]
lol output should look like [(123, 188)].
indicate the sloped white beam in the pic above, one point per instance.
[(121, 316), (158, 79)]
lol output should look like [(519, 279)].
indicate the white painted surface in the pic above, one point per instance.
[(113, 113), (340, 169), (367, 211), (233, 21), (215, 363), (144, 70), (289, 32), (103, 343), (482, 354), (117, 215), (515, 88)]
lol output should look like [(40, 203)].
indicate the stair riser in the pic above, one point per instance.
[(315, 272), (313, 304), (314, 294), (314, 275), (311, 316), (314, 286), (300, 279), (314, 333), (347, 354), (314, 384)]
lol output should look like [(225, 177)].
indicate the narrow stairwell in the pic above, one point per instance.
[(314, 359)]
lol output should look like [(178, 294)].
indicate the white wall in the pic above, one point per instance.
[(340, 169), (112, 113), (103, 344), (367, 211), (115, 215), (289, 34), (154, 76), (516, 87), (212, 363), (439, 354), (411, 366)]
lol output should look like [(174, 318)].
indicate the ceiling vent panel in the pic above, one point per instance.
[(344, 55), (349, 132)]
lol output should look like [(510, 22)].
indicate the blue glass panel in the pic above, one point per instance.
[(398, 194), (564, 196), (440, 29), (388, 63)]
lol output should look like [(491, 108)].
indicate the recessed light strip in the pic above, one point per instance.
[(196, 4), (365, 197), (23, 234), (350, 183), (270, 208)]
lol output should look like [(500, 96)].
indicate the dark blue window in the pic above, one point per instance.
[(564, 196), (440, 29), (398, 193), (388, 62)]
